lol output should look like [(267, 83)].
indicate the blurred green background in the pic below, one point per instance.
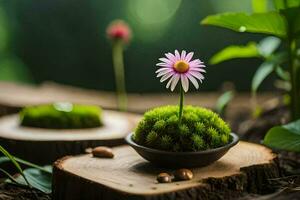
[(64, 41)]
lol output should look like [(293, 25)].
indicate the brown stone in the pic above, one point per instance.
[(164, 178), (102, 152), (183, 174)]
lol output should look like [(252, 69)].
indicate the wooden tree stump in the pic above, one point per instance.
[(44, 146), (245, 168)]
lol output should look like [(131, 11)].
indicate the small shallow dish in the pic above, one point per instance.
[(181, 159)]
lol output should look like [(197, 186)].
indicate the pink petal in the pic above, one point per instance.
[(164, 72), (197, 65), (165, 60), (197, 75), (193, 80), (177, 55), (169, 82), (171, 57), (174, 81), (195, 62), (184, 82), (163, 65), (197, 69), (183, 53), (189, 56), (166, 76), (162, 69)]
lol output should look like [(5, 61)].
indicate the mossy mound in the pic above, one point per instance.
[(61, 116), (200, 129)]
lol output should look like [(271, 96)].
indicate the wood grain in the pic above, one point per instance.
[(246, 167), (46, 145)]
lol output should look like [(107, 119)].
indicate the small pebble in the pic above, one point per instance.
[(102, 152), (183, 174), (164, 178)]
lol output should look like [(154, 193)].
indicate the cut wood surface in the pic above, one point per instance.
[(46, 145), (245, 168)]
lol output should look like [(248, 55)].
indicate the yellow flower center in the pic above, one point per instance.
[(181, 66)]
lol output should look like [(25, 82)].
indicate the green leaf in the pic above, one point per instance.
[(268, 45), (293, 127), (282, 4), (10, 177), (283, 74), (269, 23), (278, 58), (4, 159), (292, 16), (248, 51), (260, 6), (261, 73), (37, 179), (285, 137), (15, 163), (223, 101)]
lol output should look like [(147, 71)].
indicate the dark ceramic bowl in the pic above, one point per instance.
[(181, 159)]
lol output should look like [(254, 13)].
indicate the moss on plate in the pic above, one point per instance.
[(200, 129), (61, 116)]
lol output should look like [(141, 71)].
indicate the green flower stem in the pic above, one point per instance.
[(181, 103), (294, 69), (117, 54)]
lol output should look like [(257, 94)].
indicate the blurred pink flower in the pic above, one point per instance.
[(119, 29), (176, 66)]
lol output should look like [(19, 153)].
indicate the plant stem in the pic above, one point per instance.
[(15, 163), (181, 103), (285, 4), (295, 80), (119, 75)]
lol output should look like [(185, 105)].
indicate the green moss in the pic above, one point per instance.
[(165, 142), (61, 116), (152, 138), (198, 142), (200, 129)]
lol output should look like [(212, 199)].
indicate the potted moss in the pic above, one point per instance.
[(44, 133), (62, 116), (181, 136)]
